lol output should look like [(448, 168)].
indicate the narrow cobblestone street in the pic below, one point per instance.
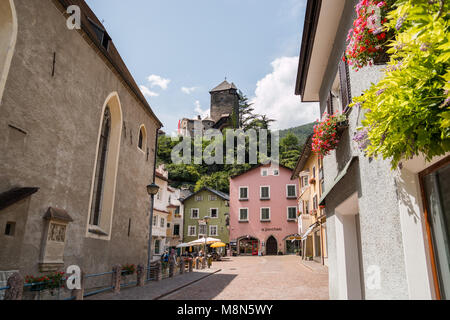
[(259, 278)]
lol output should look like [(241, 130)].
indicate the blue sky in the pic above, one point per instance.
[(179, 50)]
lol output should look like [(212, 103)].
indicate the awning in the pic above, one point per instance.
[(12, 196), (310, 229), (336, 181), (306, 194)]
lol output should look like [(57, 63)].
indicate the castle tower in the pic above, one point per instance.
[(224, 101)]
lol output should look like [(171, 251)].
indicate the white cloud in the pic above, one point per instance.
[(275, 97), (157, 81), (147, 92), (199, 111), (188, 90)]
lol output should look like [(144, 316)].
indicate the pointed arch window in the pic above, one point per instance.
[(8, 38), (100, 173), (142, 142)]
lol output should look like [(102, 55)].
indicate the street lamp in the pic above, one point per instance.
[(206, 219), (152, 189)]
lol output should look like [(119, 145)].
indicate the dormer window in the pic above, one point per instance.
[(101, 34)]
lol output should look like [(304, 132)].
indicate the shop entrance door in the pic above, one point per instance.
[(255, 248)]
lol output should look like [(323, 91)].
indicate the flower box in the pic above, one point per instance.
[(128, 269), (367, 39), (327, 133)]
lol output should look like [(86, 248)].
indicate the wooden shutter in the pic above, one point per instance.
[(346, 95), (330, 109)]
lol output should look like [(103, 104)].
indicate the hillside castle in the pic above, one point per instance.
[(224, 111)]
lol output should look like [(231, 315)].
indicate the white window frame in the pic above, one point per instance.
[(295, 215), (162, 222), (159, 247), (260, 192), (266, 171), (198, 198), (210, 213), (198, 213), (244, 187), (212, 198), (206, 227), (155, 220), (278, 172), (287, 190), (190, 234), (248, 213), (260, 214), (217, 231)]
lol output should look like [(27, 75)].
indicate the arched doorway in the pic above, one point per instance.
[(8, 36), (271, 246)]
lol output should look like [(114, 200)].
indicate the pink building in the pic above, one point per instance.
[(263, 212)]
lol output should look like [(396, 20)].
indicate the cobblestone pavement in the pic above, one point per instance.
[(258, 278)]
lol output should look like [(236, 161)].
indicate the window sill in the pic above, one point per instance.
[(97, 231), (265, 220), (264, 199), (243, 200), (244, 221), (292, 198)]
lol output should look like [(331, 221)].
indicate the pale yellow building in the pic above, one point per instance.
[(312, 218)]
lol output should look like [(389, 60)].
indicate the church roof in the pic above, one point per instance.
[(88, 19), (224, 86)]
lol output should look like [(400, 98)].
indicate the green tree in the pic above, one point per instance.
[(289, 150), (217, 181)]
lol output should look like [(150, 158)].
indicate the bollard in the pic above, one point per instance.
[(15, 284), (116, 277), (191, 265), (78, 294), (158, 271), (182, 265), (140, 275)]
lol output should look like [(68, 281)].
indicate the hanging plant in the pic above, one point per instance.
[(362, 138), (326, 135), (368, 36), (409, 109)]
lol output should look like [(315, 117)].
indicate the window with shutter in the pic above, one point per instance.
[(330, 109), (346, 96)]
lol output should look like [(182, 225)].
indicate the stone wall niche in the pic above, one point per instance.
[(54, 240)]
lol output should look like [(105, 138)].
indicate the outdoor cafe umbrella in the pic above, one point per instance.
[(218, 245), (183, 245), (203, 241)]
